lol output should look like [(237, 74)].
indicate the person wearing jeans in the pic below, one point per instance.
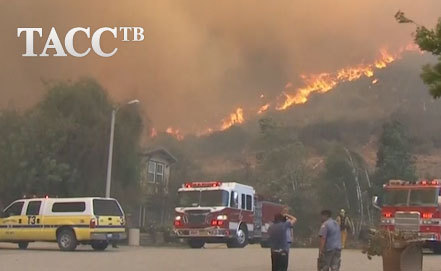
[(330, 243)]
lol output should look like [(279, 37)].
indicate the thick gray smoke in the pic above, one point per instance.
[(201, 59)]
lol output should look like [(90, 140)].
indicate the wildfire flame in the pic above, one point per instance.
[(234, 118), (175, 133), (263, 108), (313, 83), (324, 82), (153, 132)]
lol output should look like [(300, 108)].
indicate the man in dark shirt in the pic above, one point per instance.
[(279, 241)]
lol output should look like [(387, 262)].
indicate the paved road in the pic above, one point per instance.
[(46, 257)]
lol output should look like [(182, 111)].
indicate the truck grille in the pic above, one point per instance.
[(407, 221), (197, 217)]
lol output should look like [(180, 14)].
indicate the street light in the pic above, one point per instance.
[(109, 161)]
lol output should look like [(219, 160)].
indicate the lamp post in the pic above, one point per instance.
[(112, 132)]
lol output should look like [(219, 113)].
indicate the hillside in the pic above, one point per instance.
[(351, 115)]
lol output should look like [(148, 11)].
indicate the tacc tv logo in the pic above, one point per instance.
[(134, 34)]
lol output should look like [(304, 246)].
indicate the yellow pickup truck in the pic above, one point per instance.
[(67, 221)]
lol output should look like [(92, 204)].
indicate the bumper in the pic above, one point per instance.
[(428, 236), (108, 236), (202, 233)]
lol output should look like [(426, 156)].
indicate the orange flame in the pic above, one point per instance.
[(324, 82), (234, 118), (386, 58), (175, 133), (263, 108), (313, 83), (153, 132)]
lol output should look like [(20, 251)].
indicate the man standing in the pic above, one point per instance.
[(280, 243), (330, 243), (345, 226)]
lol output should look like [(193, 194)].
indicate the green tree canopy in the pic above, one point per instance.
[(428, 40), (59, 147), (394, 156)]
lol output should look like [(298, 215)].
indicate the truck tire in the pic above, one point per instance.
[(437, 248), (99, 245), (196, 243), (264, 244), (241, 238), (67, 240), (23, 245)]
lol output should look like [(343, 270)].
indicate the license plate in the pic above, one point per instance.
[(109, 235), (194, 232)]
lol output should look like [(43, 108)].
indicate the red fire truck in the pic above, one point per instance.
[(413, 207), (222, 212)]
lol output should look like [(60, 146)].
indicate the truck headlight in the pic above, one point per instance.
[(430, 222), (386, 221)]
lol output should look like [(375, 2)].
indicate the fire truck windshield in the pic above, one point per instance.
[(204, 198), (424, 197), (411, 197)]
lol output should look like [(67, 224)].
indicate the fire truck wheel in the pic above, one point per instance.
[(437, 249), (264, 244), (241, 239), (23, 245), (196, 243)]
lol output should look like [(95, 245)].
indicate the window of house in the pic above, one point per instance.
[(159, 173), (33, 207), (242, 202), (151, 172), (249, 202), (155, 172)]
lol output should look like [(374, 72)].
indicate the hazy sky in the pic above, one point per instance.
[(201, 59)]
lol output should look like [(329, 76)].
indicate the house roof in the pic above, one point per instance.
[(160, 151)]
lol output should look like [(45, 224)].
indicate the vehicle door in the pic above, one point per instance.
[(234, 216), (11, 222), (33, 226)]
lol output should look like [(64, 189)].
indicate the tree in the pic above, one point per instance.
[(59, 147), (283, 174), (343, 183), (394, 156), (428, 40)]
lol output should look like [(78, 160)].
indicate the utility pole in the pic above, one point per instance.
[(110, 157)]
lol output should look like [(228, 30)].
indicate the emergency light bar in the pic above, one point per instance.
[(398, 182), (426, 182), (202, 184)]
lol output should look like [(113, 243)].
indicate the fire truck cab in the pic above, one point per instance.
[(413, 207), (221, 212)]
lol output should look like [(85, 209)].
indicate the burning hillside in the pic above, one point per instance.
[(324, 82), (313, 83)]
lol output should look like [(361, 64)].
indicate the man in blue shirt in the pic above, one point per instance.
[(279, 240), (330, 243)]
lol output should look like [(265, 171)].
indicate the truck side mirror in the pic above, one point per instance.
[(376, 202)]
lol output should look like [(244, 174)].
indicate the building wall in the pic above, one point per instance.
[(153, 209)]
